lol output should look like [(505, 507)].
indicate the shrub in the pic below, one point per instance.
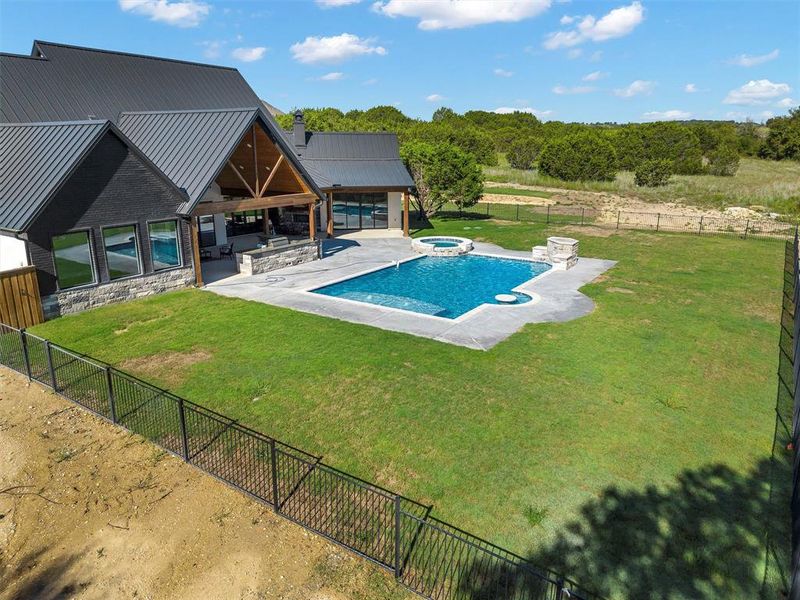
[(653, 173), (723, 161), (783, 140), (522, 153), (579, 157)]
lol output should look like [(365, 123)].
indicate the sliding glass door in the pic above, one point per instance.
[(361, 211)]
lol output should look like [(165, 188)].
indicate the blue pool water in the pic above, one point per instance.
[(441, 286), (164, 251)]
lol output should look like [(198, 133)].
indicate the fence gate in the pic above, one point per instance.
[(20, 304)]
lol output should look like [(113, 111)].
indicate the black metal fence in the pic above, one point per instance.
[(558, 214), (428, 556), (791, 348)]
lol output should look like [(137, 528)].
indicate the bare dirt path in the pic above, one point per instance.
[(88, 510)]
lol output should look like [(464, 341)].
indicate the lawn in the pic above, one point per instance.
[(628, 449), (772, 184), (516, 192)]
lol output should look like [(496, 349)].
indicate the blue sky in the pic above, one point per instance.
[(573, 61)]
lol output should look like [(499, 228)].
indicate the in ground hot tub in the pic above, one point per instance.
[(442, 246)]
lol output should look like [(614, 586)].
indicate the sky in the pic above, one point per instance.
[(638, 60)]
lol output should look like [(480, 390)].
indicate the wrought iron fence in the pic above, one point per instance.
[(791, 325), (428, 556), (558, 214)]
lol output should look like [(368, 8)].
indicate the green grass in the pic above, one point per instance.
[(627, 449), (509, 191), (772, 184)]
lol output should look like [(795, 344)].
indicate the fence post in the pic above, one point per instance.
[(517, 212), (111, 404), (184, 438), (26, 358), (487, 209), (559, 589), (50, 365), (700, 229), (583, 212), (548, 214), (658, 220), (619, 212), (397, 562), (746, 227), (273, 452)]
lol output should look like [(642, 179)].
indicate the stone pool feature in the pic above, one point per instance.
[(441, 246), (560, 252)]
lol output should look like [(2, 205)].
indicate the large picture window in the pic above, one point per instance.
[(72, 253), (164, 245), (360, 211), (122, 251)]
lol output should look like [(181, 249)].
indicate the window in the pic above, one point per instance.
[(243, 223), (207, 233), (72, 253), (360, 211), (122, 251), (164, 246)]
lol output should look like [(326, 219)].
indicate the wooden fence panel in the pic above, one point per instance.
[(20, 304)]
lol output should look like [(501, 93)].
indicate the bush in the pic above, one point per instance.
[(724, 161), (522, 153), (783, 140), (653, 173), (579, 157)]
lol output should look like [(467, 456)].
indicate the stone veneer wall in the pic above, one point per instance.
[(256, 262), (77, 300)]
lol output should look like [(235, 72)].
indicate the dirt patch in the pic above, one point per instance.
[(619, 290), (90, 511), (168, 367)]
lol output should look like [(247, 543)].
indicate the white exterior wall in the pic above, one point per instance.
[(13, 253), (214, 194), (395, 210)]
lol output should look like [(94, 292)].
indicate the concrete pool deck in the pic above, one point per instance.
[(556, 295)]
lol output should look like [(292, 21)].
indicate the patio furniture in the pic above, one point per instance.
[(205, 254), (226, 250)]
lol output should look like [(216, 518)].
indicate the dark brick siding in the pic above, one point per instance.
[(112, 186)]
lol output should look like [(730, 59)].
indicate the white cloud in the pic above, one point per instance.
[(506, 110), (766, 114), (667, 115), (578, 89), (617, 23), (690, 88), (335, 3), (334, 49), (456, 14), (752, 60), (574, 53), (635, 88), (188, 13), (596, 56), (334, 76), (567, 20), (757, 92), (212, 48), (786, 103), (503, 73), (249, 54), (435, 98), (595, 76)]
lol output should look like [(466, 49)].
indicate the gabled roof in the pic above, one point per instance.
[(59, 82), (192, 147), (37, 158), (355, 160)]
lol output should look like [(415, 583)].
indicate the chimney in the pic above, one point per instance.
[(299, 130)]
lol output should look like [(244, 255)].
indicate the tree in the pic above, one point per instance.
[(724, 161), (653, 173), (522, 153), (673, 142), (442, 173), (579, 157), (783, 140)]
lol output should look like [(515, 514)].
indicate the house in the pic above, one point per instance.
[(125, 175)]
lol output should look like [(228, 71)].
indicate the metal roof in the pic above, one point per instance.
[(35, 160), (191, 147), (355, 160), (69, 83)]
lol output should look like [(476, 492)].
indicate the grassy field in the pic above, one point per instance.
[(772, 184), (516, 192), (628, 449)]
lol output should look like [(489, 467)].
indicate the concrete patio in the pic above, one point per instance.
[(556, 295)]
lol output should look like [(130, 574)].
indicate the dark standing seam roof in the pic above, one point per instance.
[(70, 83), (189, 147), (35, 160), (366, 160)]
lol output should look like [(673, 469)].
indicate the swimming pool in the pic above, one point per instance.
[(440, 286)]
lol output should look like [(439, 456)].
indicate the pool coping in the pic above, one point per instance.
[(463, 317)]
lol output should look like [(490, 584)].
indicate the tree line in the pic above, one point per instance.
[(444, 154)]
